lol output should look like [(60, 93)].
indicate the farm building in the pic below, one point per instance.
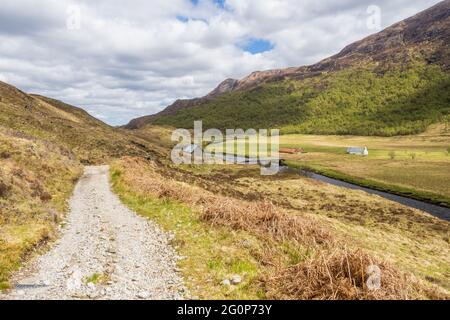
[(358, 151)]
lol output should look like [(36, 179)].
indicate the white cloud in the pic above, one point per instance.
[(133, 59)]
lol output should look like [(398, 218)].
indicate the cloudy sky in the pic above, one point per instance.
[(123, 59)]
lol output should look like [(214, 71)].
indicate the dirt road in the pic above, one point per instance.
[(105, 251)]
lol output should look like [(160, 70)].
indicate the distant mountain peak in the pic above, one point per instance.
[(427, 34)]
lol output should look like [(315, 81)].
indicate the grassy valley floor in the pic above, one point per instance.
[(415, 166)]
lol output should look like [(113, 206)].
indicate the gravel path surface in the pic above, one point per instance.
[(106, 251)]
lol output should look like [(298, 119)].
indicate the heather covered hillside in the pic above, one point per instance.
[(90, 139)]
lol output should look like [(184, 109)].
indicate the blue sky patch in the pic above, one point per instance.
[(219, 3), (255, 46), (183, 18), (186, 19)]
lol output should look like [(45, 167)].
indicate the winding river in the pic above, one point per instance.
[(435, 210)]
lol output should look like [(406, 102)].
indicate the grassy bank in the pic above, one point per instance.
[(36, 179)]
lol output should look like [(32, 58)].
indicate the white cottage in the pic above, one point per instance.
[(358, 151)]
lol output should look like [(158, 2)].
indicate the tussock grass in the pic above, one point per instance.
[(263, 217), (345, 274), (338, 274)]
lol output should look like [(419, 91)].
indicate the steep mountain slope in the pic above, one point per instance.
[(90, 139), (394, 82)]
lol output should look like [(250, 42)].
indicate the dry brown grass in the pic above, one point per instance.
[(258, 216), (264, 218), (329, 273), (343, 274), (338, 274)]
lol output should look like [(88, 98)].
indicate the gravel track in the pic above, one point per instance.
[(105, 251)]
